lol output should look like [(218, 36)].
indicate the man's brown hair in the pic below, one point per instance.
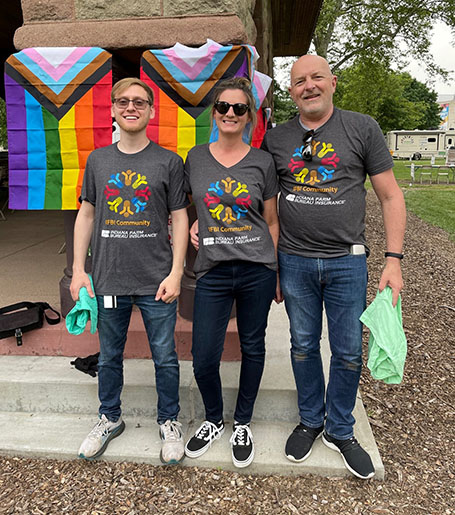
[(123, 84)]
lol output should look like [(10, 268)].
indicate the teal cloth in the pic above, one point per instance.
[(387, 345), (86, 309)]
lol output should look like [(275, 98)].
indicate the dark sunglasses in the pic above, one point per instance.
[(307, 147), (223, 107)]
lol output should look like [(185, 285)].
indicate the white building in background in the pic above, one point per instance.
[(447, 113)]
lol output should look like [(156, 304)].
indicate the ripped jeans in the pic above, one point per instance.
[(337, 285)]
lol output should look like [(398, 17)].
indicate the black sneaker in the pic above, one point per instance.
[(300, 443), (203, 438), (356, 459), (242, 445)]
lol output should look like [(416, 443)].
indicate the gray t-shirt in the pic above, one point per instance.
[(229, 204), (322, 201), (133, 195)]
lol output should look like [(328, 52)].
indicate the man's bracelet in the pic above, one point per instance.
[(393, 254)]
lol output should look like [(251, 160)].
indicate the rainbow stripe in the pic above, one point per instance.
[(58, 111)]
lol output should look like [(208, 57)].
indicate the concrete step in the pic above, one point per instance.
[(50, 384), (51, 435)]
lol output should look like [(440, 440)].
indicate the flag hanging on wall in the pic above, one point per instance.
[(58, 111), (183, 79)]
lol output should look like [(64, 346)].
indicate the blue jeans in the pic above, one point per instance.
[(253, 287), (338, 284), (159, 320)]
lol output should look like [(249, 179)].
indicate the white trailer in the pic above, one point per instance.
[(420, 144)]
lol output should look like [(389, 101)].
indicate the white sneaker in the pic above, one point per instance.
[(96, 441), (172, 450)]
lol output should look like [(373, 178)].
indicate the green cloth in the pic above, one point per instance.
[(387, 344), (86, 309)]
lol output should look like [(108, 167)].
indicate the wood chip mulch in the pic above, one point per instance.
[(414, 426)]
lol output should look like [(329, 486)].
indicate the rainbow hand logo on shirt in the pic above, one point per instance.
[(127, 193), (301, 169), (220, 190)]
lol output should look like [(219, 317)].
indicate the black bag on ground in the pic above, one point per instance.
[(21, 317)]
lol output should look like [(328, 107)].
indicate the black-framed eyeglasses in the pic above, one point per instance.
[(223, 107), (139, 103), (307, 145)]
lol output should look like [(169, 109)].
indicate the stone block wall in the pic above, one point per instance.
[(131, 18)]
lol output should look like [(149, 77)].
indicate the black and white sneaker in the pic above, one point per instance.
[(203, 438), (300, 442), (356, 459), (242, 445)]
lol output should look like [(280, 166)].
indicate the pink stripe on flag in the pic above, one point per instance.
[(191, 71), (62, 68), (262, 84)]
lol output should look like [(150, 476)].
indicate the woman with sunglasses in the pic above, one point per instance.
[(234, 189)]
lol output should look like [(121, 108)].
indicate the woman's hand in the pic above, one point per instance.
[(194, 235)]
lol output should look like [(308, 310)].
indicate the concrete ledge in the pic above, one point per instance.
[(159, 32), (59, 436), (50, 384)]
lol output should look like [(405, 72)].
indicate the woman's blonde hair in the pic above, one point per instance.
[(243, 85), (123, 84)]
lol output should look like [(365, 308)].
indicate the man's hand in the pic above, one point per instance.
[(79, 280), (391, 276), (169, 288), (194, 235)]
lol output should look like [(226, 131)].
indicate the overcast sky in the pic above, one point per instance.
[(443, 50)]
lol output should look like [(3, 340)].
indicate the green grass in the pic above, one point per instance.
[(434, 203), (402, 170)]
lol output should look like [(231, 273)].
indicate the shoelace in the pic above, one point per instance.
[(207, 431), (171, 430), (100, 429), (241, 436)]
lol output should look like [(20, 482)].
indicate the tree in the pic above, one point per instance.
[(372, 88), (418, 92), (283, 106), (383, 30)]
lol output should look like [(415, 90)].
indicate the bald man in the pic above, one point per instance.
[(323, 157)]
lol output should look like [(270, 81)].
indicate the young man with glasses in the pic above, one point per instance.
[(129, 190), (323, 157)]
